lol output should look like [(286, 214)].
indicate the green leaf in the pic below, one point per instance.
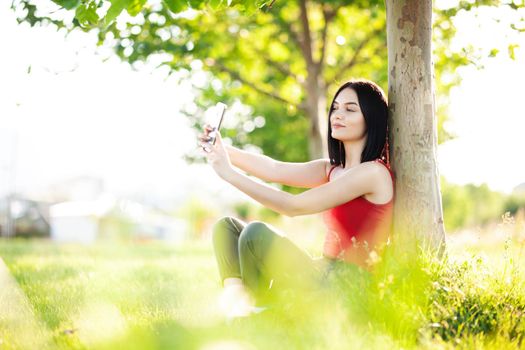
[(196, 4), (176, 6), (513, 47), (493, 52), (115, 9), (135, 6), (86, 14), (215, 4), (67, 4)]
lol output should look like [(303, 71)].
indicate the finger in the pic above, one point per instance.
[(206, 148), (218, 138), (210, 148)]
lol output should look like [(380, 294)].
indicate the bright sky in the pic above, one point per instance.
[(102, 119), (487, 108), (107, 120)]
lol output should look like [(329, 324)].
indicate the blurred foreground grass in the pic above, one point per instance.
[(158, 296)]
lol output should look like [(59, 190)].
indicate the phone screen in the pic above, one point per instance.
[(218, 116)]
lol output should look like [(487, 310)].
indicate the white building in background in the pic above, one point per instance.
[(78, 221)]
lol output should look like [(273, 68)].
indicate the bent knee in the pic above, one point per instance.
[(225, 220), (255, 230), (222, 227)]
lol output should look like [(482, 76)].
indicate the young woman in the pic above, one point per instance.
[(354, 189)]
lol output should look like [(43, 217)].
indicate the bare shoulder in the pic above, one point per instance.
[(380, 175), (379, 165), (378, 170)]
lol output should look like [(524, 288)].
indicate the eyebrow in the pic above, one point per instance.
[(347, 103)]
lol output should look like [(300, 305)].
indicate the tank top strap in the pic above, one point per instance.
[(332, 168), (383, 162)]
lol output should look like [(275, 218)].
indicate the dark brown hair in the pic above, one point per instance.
[(374, 106)]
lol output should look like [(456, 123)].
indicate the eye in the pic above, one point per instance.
[(333, 108)]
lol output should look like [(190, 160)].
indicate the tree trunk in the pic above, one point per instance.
[(418, 213), (316, 111), (322, 116)]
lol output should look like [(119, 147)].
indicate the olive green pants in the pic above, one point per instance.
[(265, 260)]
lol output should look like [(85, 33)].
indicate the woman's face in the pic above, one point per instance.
[(347, 120)]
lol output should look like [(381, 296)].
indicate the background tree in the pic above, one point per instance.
[(281, 58)]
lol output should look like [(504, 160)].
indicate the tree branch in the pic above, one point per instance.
[(376, 52), (355, 57), (281, 67), (287, 27), (256, 88), (328, 15), (307, 38)]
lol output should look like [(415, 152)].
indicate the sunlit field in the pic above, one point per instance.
[(155, 295)]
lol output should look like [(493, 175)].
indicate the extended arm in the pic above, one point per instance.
[(255, 164), (354, 183), (270, 197), (307, 175)]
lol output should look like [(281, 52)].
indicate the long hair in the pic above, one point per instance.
[(374, 106)]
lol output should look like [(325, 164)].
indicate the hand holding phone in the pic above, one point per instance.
[(217, 121), (214, 117)]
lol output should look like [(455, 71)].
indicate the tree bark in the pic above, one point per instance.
[(314, 94), (317, 115), (418, 213)]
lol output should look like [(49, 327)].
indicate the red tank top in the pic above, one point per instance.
[(353, 224)]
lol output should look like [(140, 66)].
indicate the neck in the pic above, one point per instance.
[(353, 150)]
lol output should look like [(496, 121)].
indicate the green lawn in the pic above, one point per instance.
[(158, 296)]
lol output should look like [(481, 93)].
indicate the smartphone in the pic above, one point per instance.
[(218, 116)]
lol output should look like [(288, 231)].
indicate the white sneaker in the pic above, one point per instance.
[(235, 301)]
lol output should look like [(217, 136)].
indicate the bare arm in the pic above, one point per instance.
[(258, 165), (270, 197), (352, 184), (306, 175)]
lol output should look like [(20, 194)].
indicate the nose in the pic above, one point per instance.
[(337, 117)]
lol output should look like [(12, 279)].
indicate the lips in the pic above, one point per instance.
[(337, 126)]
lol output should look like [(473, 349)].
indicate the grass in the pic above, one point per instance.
[(157, 296)]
